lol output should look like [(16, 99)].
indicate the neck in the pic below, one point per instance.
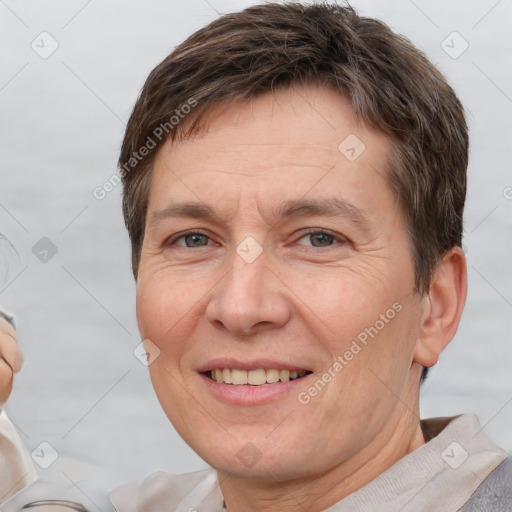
[(317, 492)]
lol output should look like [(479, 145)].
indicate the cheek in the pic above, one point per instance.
[(378, 374), (370, 329), (338, 303), (165, 310), (165, 317)]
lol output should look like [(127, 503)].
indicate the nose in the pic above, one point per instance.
[(250, 298)]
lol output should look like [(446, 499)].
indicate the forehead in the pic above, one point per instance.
[(313, 120), (292, 142)]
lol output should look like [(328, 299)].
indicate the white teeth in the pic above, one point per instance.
[(254, 377), (284, 375), (272, 376), (226, 374), (238, 376)]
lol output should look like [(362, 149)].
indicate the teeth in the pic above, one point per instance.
[(257, 377), (238, 376), (272, 376), (226, 375), (254, 377)]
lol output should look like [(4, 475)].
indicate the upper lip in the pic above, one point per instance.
[(254, 364)]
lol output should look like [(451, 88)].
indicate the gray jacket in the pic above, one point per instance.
[(495, 492)]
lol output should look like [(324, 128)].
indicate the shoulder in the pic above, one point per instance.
[(162, 490), (495, 492)]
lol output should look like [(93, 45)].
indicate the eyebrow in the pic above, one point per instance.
[(332, 207)]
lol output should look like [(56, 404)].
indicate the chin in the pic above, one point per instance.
[(259, 459)]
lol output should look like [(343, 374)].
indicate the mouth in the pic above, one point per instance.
[(256, 377)]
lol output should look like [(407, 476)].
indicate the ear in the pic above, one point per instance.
[(442, 307)]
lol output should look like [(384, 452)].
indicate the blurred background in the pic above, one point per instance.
[(70, 73)]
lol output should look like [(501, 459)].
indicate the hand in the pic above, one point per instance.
[(11, 359)]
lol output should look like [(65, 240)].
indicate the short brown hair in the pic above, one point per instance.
[(392, 87)]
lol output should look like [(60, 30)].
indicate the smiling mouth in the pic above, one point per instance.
[(257, 377)]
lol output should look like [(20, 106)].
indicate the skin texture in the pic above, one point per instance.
[(11, 359), (303, 300)]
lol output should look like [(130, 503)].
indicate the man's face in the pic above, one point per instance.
[(293, 257)]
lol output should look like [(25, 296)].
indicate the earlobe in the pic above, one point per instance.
[(442, 307)]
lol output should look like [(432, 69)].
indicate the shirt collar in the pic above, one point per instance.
[(447, 469)]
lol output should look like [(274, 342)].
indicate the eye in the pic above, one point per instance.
[(191, 239), (319, 239)]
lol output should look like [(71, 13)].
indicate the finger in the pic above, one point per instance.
[(9, 349), (6, 381), (7, 329)]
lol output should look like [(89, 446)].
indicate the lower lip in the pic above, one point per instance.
[(245, 394)]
